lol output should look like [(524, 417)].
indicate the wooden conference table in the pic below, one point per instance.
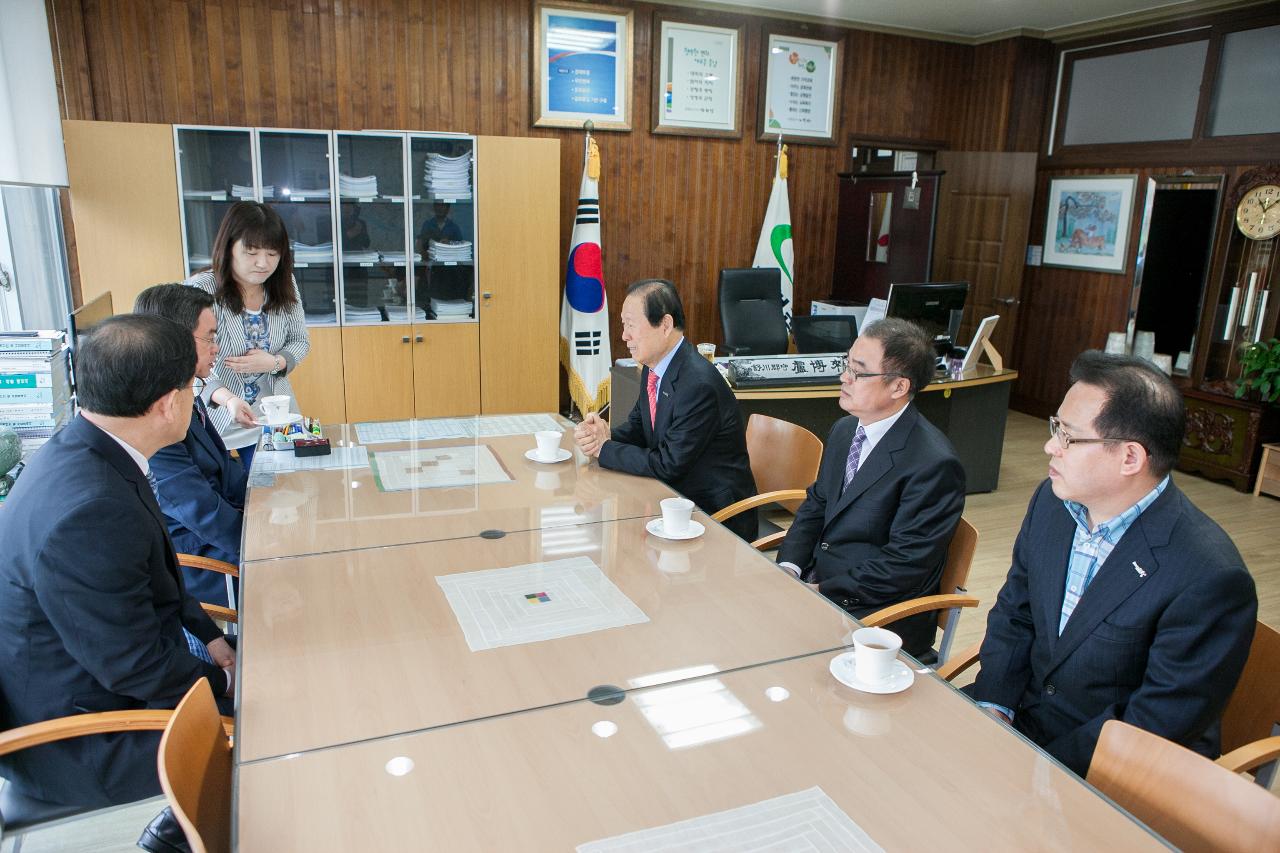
[(365, 719)]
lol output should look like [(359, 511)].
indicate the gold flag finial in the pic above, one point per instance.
[(782, 163), (593, 159)]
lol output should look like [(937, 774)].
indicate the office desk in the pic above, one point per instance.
[(920, 770), (359, 644), (316, 512), (970, 411)]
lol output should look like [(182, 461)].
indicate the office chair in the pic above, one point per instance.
[(751, 312), (824, 333), (195, 770)]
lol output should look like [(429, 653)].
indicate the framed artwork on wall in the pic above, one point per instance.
[(582, 58), (697, 74), (1087, 226), (800, 88)]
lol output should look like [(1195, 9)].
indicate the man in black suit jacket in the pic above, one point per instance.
[(873, 531), (201, 489), (1124, 601), (697, 444), (93, 609)]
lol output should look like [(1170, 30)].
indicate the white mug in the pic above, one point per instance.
[(275, 407), (548, 443), (874, 651), (675, 515)]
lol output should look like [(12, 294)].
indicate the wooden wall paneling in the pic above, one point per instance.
[(377, 368), (124, 199), (516, 181), (71, 58), (446, 370), (318, 380)]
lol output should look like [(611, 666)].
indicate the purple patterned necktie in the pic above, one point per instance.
[(855, 456)]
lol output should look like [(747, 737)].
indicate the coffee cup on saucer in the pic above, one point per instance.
[(275, 407), (676, 513), (548, 444), (874, 653)]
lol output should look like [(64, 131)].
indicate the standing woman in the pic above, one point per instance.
[(262, 332)]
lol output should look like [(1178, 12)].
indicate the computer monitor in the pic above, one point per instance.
[(88, 315), (938, 306)]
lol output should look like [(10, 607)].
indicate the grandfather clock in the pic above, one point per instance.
[(1224, 435)]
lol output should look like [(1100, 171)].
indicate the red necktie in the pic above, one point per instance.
[(653, 398)]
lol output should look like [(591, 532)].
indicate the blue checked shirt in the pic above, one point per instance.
[(1089, 550)]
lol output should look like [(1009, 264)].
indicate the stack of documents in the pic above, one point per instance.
[(456, 252), (451, 307), (201, 261), (35, 390), (366, 256), (240, 191), (322, 316), (398, 257), (301, 193), (448, 177), (400, 314), (349, 186), (320, 253), (362, 314)]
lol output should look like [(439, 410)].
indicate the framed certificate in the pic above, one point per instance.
[(697, 74), (801, 87), (582, 65)]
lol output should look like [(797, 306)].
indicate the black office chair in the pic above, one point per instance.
[(751, 312), (824, 333)]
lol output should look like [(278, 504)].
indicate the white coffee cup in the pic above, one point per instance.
[(675, 515), (874, 651), (548, 443), (275, 407)]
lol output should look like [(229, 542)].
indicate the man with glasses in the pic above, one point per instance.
[(875, 526), (93, 613), (1124, 601), (201, 489)]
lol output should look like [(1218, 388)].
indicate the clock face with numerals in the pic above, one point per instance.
[(1258, 214)]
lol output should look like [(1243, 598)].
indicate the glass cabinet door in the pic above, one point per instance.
[(372, 235), (442, 177), (297, 184), (215, 170)]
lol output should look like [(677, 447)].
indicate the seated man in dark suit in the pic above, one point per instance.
[(1124, 601), (200, 487), (686, 429), (875, 526), (94, 615)]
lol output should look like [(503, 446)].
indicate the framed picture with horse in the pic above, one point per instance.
[(1087, 224)]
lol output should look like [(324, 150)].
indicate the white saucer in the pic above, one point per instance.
[(284, 420), (655, 527), (900, 678), (561, 455)]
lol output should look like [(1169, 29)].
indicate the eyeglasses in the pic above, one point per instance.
[(212, 339), (856, 375), (198, 386), (1065, 440)]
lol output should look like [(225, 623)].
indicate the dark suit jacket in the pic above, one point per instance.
[(1162, 652), (698, 446), (201, 490), (92, 609), (883, 541)]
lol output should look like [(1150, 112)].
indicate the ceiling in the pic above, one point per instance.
[(979, 20)]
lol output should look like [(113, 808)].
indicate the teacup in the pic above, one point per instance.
[(548, 443), (675, 516), (275, 407), (874, 652)]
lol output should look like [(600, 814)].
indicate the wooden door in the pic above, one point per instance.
[(377, 364), (446, 369), (881, 237), (518, 254), (317, 382), (984, 212)]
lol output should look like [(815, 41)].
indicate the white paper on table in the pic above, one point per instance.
[(535, 602), (431, 429), (284, 461), (437, 468), (805, 820)]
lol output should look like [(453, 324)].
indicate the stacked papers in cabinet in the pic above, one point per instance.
[(201, 261), (316, 318), (457, 252), (363, 314), (448, 177), (320, 253), (366, 256), (451, 307), (240, 191), (399, 257), (317, 193), (349, 186), (400, 313)]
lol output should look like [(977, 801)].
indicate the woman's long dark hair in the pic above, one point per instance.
[(259, 227)]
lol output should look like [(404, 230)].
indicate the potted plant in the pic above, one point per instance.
[(1260, 371)]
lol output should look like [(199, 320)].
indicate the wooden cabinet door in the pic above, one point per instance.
[(518, 192), (377, 366), (318, 382), (446, 369)]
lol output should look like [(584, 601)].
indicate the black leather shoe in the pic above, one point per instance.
[(164, 835)]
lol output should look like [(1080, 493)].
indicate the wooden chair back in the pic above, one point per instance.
[(783, 456), (195, 771), (955, 574), (1253, 712), (1185, 797)]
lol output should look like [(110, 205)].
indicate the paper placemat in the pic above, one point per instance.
[(436, 468), (283, 461), (430, 429)]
